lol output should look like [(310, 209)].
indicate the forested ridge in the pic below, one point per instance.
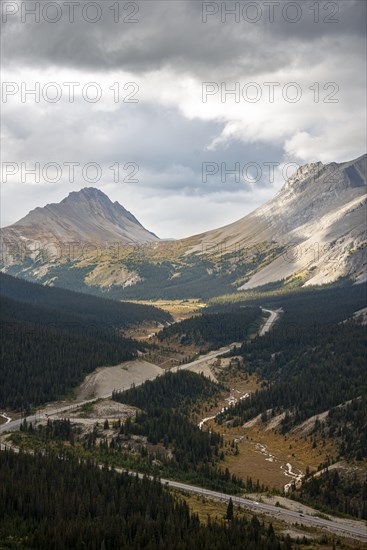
[(335, 491), (172, 390), (40, 364), (51, 338), (75, 307), (217, 329), (347, 424), (309, 371), (166, 405), (314, 306), (49, 503), (311, 360)]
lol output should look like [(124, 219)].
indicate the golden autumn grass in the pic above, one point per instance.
[(296, 449), (179, 309), (250, 461)]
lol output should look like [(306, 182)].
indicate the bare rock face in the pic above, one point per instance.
[(321, 212), (86, 216), (316, 224)]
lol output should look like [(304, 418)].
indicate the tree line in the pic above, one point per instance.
[(51, 338), (165, 418), (217, 329), (307, 373), (53, 305), (335, 491), (48, 503)]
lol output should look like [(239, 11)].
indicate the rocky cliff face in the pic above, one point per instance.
[(319, 215), (86, 216), (312, 232)]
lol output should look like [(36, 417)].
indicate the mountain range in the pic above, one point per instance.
[(312, 232), (319, 215)]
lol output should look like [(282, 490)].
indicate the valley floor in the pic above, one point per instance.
[(275, 460)]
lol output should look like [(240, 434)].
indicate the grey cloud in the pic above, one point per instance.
[(169, 148), (172, 34)]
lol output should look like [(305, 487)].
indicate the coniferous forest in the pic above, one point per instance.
[(166, 404), (307, 366), (51, 338), (308, 372), (55, 304), (40, 364), (345, 493), (49, 503), (217, 329)]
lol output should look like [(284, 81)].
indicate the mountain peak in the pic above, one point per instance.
[(90, 192), (304, 171), (317, 178), (87, 215), (321, 208)]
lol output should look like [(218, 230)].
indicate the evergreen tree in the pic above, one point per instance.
[(229, 514)]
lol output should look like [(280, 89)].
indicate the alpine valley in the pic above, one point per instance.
[(183, 329), (213, 387)]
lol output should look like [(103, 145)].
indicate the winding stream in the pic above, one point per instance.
[(231, 401), (286, 468), (7, 418)]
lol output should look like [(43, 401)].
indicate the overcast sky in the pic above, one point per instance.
[(297, 69)]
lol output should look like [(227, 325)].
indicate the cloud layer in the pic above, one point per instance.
[(299, 89)]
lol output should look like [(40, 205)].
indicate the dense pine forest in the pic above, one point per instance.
[(335, 491), (50, 339), (173, 390), (302, 306), (311, 359), (166, 405), (309, 372), (57, 304), (217, 329), (48, 503), (40, 364), (348, 425)]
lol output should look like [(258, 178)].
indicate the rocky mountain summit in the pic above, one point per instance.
[(312, 232), (86, 216), (320, 213)]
